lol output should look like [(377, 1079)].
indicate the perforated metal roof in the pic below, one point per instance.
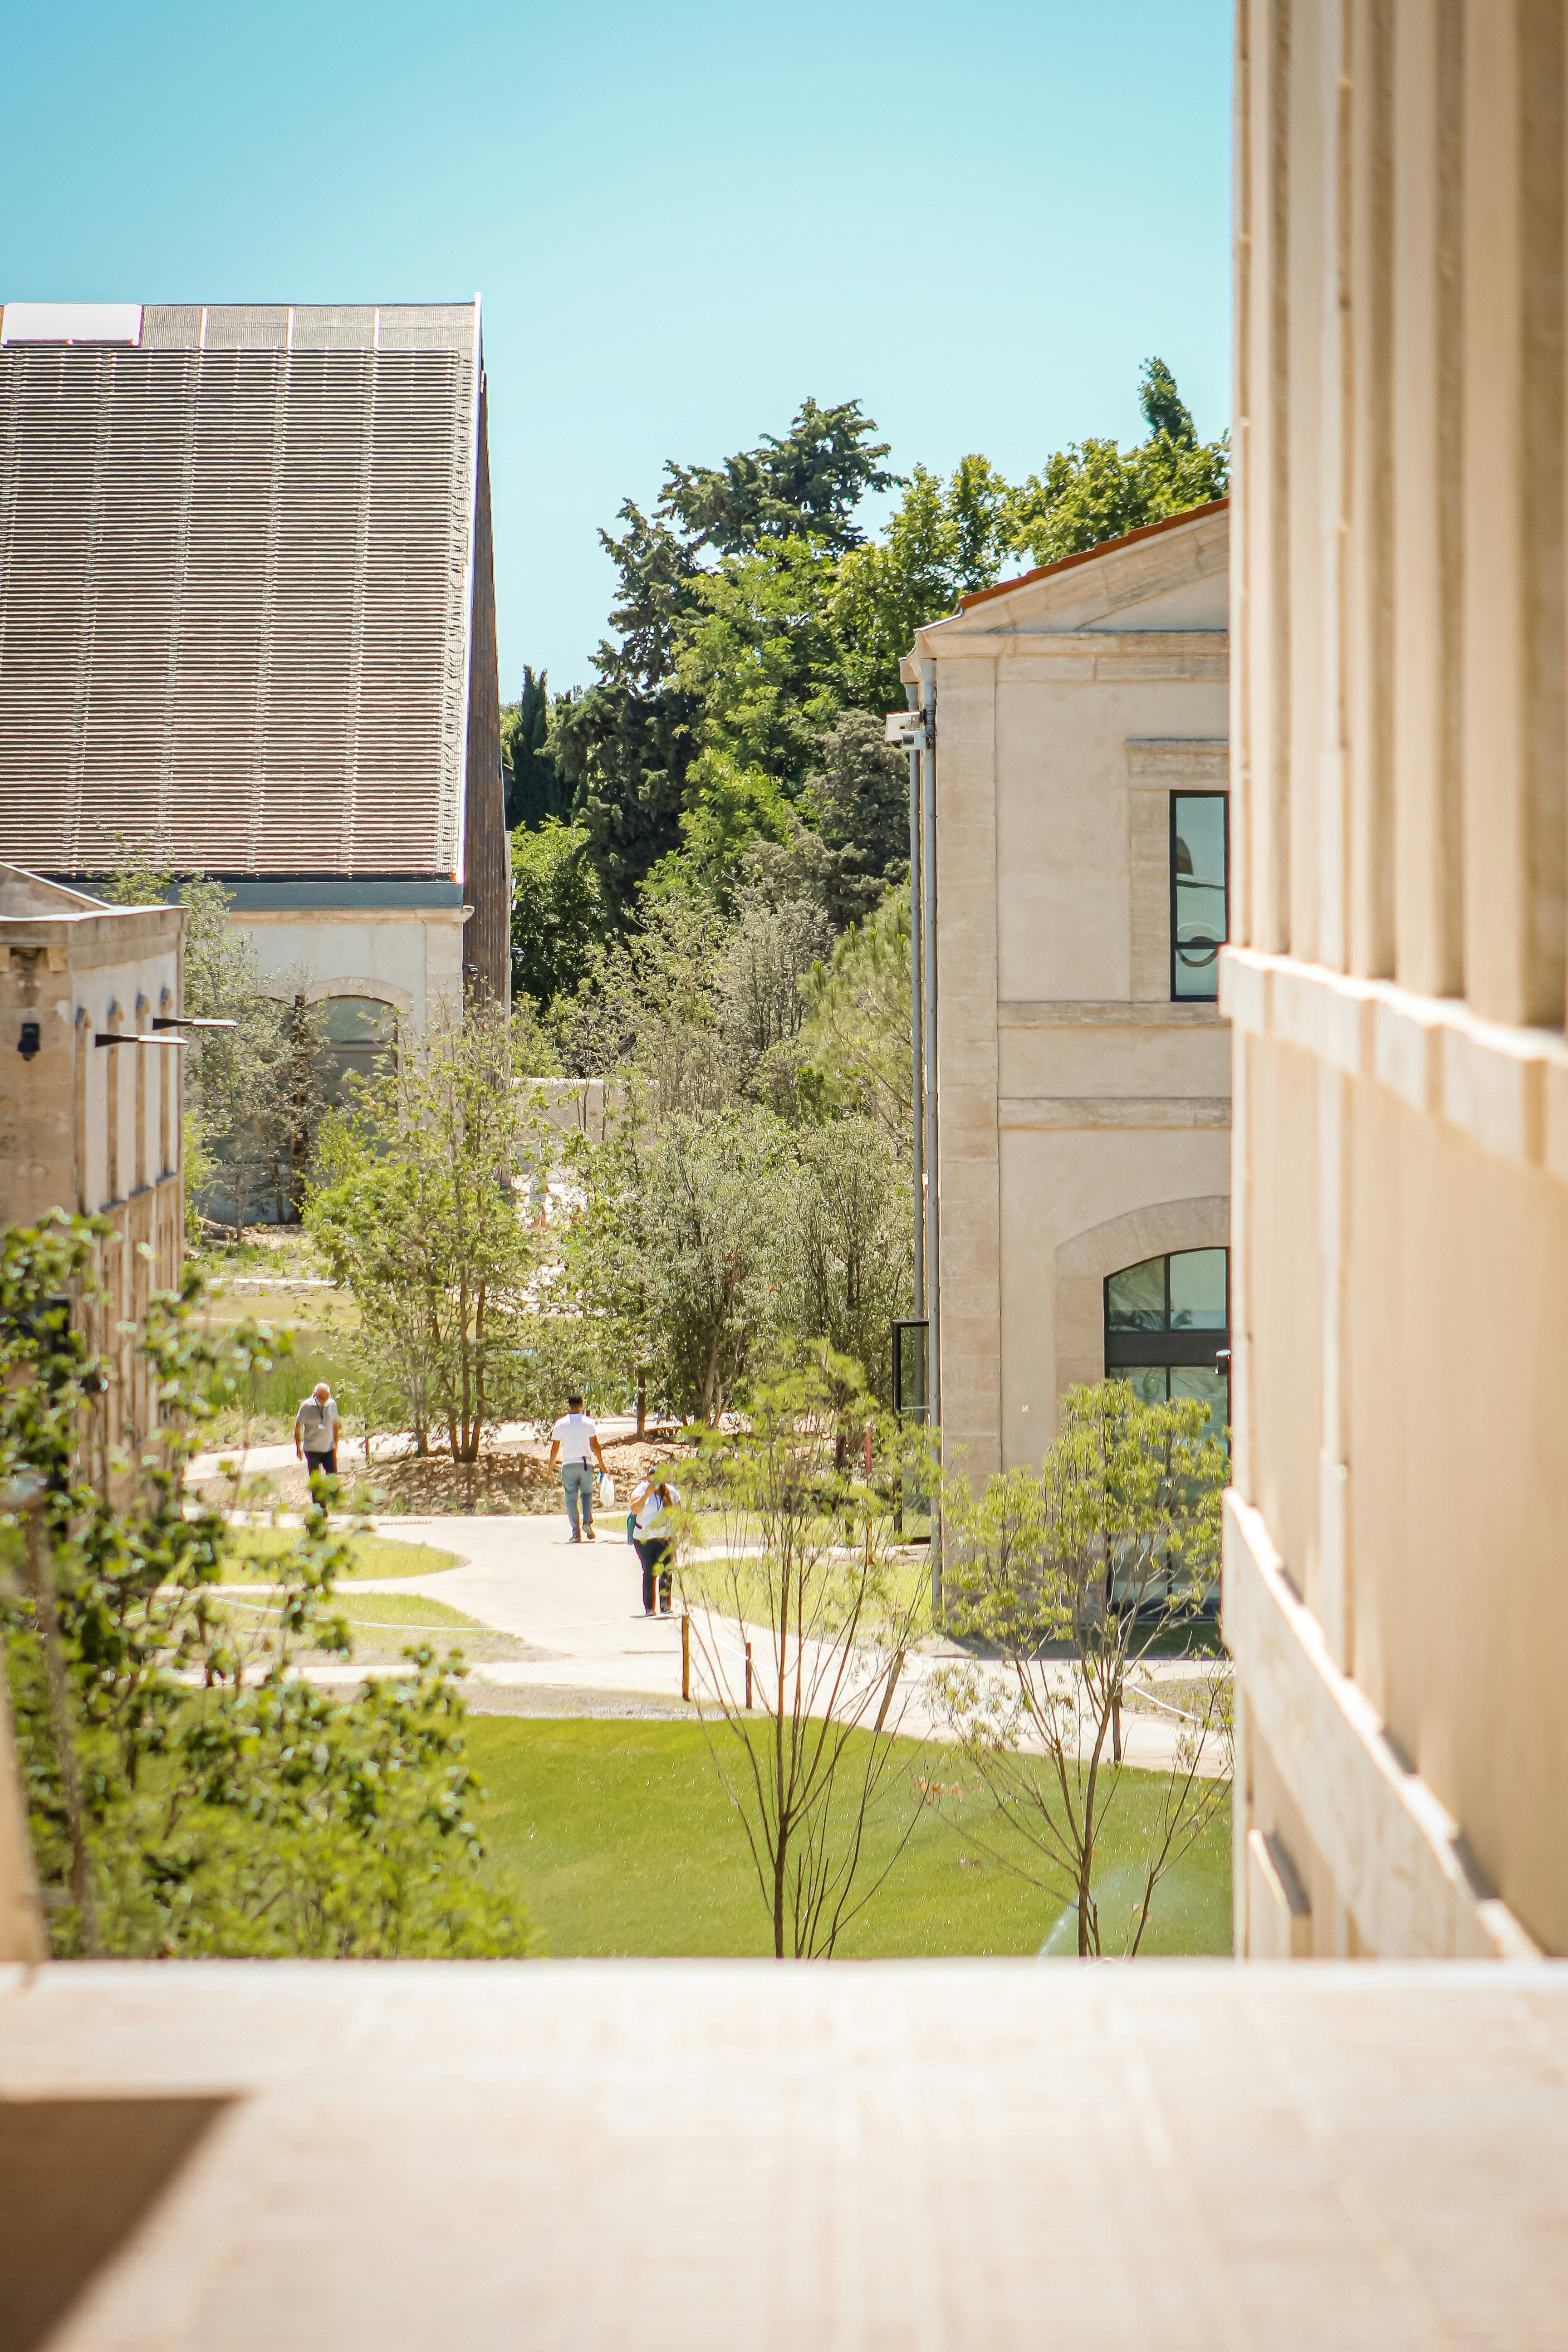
[(235, 588)]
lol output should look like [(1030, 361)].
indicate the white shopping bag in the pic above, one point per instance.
[(606, 1492)]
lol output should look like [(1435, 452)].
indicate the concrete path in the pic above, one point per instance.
[(252, 1460), (581, 1605)]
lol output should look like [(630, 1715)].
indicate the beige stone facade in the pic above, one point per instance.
[(1395, 1595), (85, 1125), (95, 1127), (1082, 1112)]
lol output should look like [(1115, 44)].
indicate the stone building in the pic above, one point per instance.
[(1082, 1086), (89, 1099), (1395, 1590), (248, 611)]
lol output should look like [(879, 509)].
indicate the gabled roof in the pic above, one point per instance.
[(1092, 554), (237, 549)]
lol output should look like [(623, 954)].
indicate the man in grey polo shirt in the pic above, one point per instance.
[(317, 1430)]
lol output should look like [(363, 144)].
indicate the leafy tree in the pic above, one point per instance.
[(1095, 491), (421, 1215), (1107, 1551), (943, 540), (187, 1793), (536, 792), (762, 985), (807, 484), (760, 658), (557, 911), (848, 1254), (858, 801), (854, 1047), (628, 745), (1164, 410), (806, 1559)]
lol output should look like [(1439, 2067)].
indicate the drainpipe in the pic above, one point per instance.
[(917, 1065), (933, 1165), (928, 984)]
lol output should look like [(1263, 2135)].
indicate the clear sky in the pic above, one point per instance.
[(682, 218)]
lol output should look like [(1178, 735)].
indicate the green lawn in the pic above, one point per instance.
[(383, 1624), (254, 1549), (626, 1844)]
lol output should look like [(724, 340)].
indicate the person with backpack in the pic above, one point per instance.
[(654, 1501)]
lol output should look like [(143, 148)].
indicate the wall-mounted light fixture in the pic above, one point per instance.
[(30, 1040)]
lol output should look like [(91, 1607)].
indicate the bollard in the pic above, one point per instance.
[(685, 1655), (748, 1678), (1116, 1731)]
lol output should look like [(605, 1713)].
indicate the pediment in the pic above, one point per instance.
[(1174, 576)]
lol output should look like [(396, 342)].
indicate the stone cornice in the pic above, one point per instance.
[(1144, 1111), (1074, 1012), (1506, 1088)]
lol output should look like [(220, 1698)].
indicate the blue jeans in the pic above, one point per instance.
[(577, 1477)]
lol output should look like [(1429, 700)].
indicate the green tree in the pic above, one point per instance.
[(536, 792), (187, 1793), (809, 484), (943, 540), (1164, 410), (557, 913), (628, 745), (1107, 1554), (1094, 491), (423, 1213), (854, 1047), (848, 1253)]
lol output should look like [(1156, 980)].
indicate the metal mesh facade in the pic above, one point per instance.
[(235, 591)]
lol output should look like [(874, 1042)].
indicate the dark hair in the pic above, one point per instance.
[(574, 1404)]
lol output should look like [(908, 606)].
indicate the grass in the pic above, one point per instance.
[(254, 1549), (626, 1843), (739, 1586), (384, 1624)]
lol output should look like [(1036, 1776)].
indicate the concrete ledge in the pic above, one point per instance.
[(710, 2157), (1397, 1856), (1113, 1110), (1116, 1012), (1506, 1088)]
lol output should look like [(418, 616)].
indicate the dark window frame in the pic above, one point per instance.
[(1202, 1347), (1176, 799)]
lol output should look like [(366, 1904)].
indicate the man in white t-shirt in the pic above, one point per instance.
[(317, 1429), (573, 1442)]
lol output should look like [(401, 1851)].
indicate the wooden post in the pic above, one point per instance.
[(748, 1678), (642, 1398), (685, 1655)]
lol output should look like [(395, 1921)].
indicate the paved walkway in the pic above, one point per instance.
[(581, 1606), (252, 1460)]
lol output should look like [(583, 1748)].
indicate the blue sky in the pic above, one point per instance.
[(682, 219)]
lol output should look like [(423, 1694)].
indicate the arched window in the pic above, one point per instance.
[(360, 1030), (1167, 1328)]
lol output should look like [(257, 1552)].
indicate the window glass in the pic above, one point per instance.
[(1136, 1297), (1197, 1290), (1149, 1382), (360, 1020), (1199, 919), (360, 1031), (1210, 1388)]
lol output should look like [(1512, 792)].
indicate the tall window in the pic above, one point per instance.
[(360, 1030), (1200, 918), (1167, 1321)]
